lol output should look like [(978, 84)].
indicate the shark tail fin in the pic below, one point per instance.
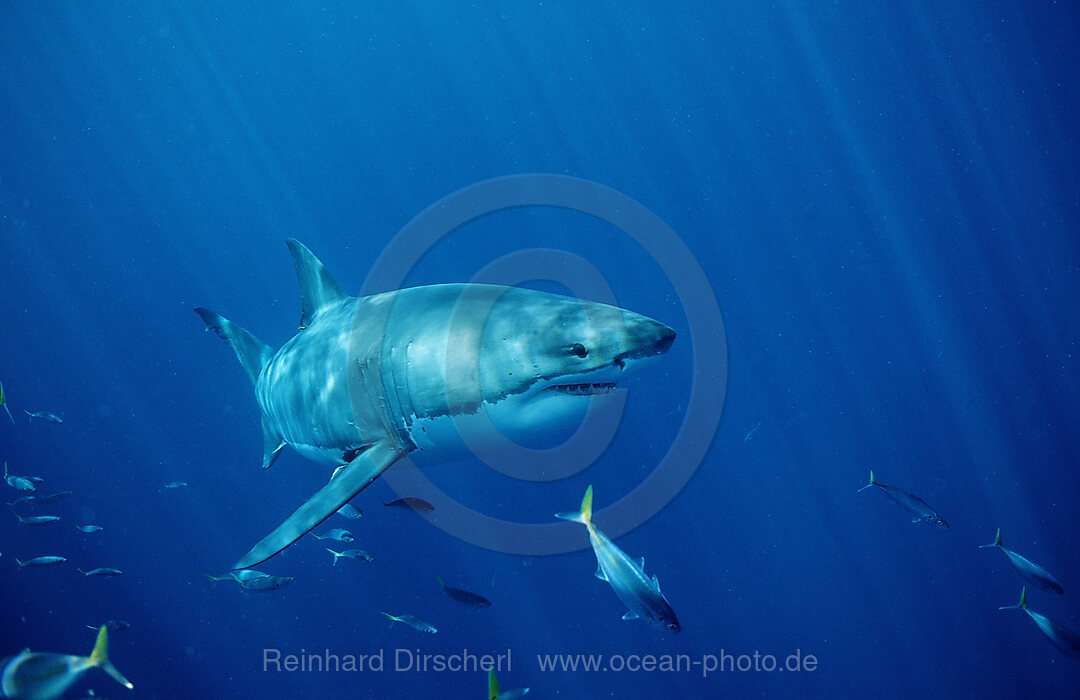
[(318, 289), (100, 657), (1022, 605), (872, 482), (493, 685), (995, 543), (583, 516)]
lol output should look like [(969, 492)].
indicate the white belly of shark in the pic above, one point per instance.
[(368, 380)]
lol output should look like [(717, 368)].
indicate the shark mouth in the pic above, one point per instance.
[(584, 389)]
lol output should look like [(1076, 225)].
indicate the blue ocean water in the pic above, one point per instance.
[(882, 195)]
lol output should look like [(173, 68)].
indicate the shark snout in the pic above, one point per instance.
[(667, 337), (650, 339)]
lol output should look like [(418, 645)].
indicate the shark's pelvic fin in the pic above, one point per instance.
[(252, 352), (272, 443), (318, 289), (348, 481)]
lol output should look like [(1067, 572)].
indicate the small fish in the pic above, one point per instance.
[(176, 484), (750, 435), (350, 511), (351, 554), (252, 580), (20, 483), (417, 504), (3, 402), (626, 576), (494, 693), (336, 534), (1029, 570), (1059, 635), (37, 519), (464, 597), (53, 497), (266, 583), (45, 416), (38, 676), (89, 529), (112, 625), (910, 502), (102, 571), (42, 561), (414, 622), (33, 500)]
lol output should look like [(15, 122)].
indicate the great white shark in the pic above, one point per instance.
[(369, 380)]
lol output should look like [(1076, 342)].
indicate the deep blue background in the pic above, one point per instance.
[(884, 196)]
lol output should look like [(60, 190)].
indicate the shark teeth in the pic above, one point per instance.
[(585, 389)]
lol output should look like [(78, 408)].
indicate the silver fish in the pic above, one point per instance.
[(350, 511), (102, 571), (40, 676), (20, 483), (3, 402), (45, 416), (1029, 570), (42, 561), (627, 577), (351, 554), (910, 502), (34, 500), (1059, 635), (495, 693), (37, 519), (89, 529), (112, 625), (252, 580), (337, 534), (414, 622)]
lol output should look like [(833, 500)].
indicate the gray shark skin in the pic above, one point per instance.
[(430, 372)]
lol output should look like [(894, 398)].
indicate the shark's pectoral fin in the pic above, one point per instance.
[(347, 482)]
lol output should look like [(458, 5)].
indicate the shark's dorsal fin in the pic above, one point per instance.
[(318, 289)]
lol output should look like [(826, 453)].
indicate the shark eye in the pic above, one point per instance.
[(579, 350)]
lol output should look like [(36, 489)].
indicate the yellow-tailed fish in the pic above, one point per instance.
[(494, 693), (627, 577), (3, 402), (43, 676)]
